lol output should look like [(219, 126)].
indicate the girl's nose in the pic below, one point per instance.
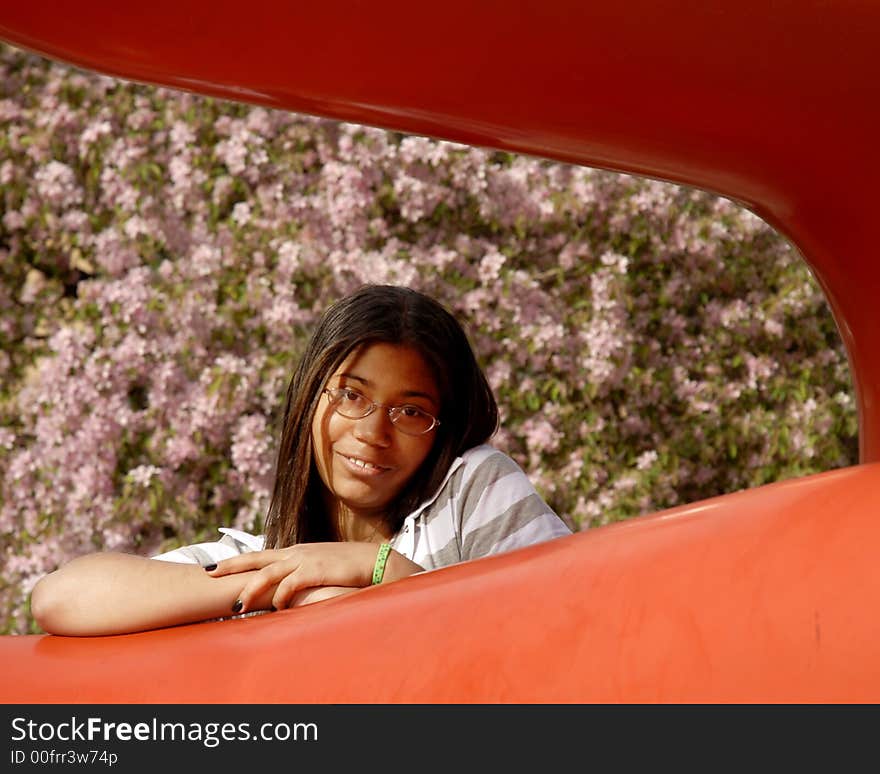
[(375, 428)]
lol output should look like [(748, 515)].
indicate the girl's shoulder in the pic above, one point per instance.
[(482, 452), (486, 457), (480, 468)]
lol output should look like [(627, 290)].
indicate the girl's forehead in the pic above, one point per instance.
[(390, 367)]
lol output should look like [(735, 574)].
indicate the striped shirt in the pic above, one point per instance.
[(486, 505)]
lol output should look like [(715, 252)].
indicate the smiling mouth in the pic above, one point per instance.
[(364, 465)]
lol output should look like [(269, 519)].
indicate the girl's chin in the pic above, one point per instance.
[(363, 500), (368, 492)]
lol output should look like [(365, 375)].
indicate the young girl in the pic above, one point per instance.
[(383, 471)]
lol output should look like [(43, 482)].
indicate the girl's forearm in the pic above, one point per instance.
[(111, 593)]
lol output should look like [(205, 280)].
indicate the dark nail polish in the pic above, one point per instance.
[(209, 567), (237, 606)]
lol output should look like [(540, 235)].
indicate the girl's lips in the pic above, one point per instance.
[(363, 467)]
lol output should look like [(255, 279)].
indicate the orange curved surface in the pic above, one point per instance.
[(762, 596), (766, 595)]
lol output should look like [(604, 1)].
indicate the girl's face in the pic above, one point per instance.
[(365, 463)]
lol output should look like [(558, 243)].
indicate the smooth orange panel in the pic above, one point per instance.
[(759, 596)]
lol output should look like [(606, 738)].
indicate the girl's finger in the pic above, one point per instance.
[(285, 592), (254, 560), (265, 579)]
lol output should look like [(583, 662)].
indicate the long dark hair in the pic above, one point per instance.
[(372, 314)]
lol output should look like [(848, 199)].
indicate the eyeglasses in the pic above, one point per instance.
[(409, 419)]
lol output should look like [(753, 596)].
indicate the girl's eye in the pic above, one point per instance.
[(410, 411), (352, 396)]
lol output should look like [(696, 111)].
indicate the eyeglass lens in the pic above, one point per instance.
[(408, 419)]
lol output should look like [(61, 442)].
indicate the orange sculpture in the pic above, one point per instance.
[(762, 596)]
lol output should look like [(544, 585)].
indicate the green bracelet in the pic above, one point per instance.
[(381, 559)]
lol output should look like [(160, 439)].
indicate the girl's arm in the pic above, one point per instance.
[(282, 575), (111, 593), (114, 593)]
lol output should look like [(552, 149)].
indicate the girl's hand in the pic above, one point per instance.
[(307, 565)]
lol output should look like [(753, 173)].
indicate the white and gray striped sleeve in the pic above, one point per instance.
[(500, 510), (233, 543)]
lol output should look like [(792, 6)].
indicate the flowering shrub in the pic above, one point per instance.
[(163, 257)]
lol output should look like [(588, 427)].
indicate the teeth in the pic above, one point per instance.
[(362, 464)]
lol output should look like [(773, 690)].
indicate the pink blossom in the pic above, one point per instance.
[(178, 272), (57, 185)]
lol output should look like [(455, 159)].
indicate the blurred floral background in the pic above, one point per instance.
[(163, 257)]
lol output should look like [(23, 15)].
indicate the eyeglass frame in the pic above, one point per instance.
[(374, 405)]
